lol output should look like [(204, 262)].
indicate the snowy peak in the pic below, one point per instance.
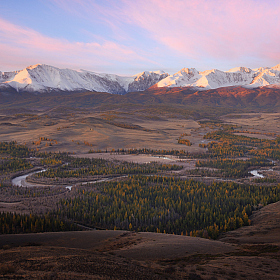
[(179, 79), (144, 74), (211, 79), (45, 78), (188, 71), (146, 80), (34, 66), (240, 70), (276, 67)]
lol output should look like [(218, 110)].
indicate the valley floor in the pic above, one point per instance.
[(251, 252)]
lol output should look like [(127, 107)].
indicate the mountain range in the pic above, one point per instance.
[(44, 78)]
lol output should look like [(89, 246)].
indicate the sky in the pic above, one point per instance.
[(127, 37)]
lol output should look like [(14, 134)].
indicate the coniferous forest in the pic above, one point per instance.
[(146, 197), (23, 223), (167, 205)]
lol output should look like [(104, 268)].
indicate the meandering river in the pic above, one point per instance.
[(20, 181)]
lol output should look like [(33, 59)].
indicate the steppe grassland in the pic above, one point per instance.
[(79, 132), (260, 122)]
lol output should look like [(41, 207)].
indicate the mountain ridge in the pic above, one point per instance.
[(214, 78), (45, 78)]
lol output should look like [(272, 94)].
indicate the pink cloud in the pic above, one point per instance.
[(199, 28), (197, 31), (24, 46), (222, 29)]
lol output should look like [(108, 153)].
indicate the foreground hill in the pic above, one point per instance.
[(129, 255)]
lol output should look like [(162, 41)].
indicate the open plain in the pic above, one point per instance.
[(79, 131)]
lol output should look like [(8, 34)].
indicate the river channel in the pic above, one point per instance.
[(256, 174), (20, 181)]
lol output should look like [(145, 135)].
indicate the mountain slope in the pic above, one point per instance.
[(225, 99), (212, 79), (45, 78)]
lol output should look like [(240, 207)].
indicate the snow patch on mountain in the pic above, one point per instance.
[(211, 79), (44, 78), (240, 70), (145, 80)]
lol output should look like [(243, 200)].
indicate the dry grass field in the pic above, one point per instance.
[(247, 253), (79, 131), (256, 122)]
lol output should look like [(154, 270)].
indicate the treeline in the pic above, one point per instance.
[(15, 193), (146, 151), (58, 156), (46, 140), (227, 143), (184, 141), (128, 126), (14, 164), (50, 161), (233, 168), (199, 172), (13, 149), (269, 149), (224, 148), (229, 136), (167, 205), (265, 180), (255, 132), (11, 223), (92, 167), (214, 124)]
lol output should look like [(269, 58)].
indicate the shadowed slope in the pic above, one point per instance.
[(232, 97)]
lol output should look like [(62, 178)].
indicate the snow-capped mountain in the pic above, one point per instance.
[(211, 79), (45, 78)]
